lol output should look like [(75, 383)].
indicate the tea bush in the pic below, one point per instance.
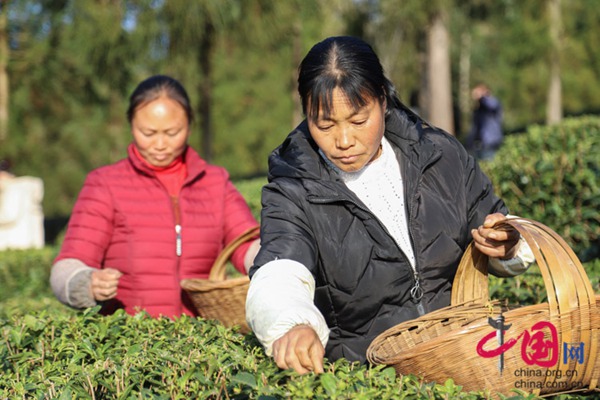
[(25, 273), (54, 355), (50, 351), (552, 174), (251, 190)]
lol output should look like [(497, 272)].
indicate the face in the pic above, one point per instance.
[(350, 138), (160, 131)]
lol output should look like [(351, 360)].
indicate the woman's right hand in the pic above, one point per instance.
[(104, 283), (300, 349)]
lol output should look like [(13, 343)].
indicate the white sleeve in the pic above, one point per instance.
[(70, 280), (280, 296), (513, 266)]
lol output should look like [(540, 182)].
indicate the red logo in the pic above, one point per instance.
[(535, 348)]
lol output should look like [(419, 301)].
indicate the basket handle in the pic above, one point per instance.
[(567, 284), (217, 271), (568, 288)]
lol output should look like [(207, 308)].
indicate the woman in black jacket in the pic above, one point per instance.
[(366, 215)]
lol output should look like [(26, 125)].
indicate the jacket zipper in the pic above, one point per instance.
[(416, 292), (178, 246), (178, 240)]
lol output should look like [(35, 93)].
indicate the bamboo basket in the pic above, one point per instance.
[(219, 297), (451, 342)]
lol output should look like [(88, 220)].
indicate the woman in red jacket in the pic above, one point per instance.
[(161, 215)]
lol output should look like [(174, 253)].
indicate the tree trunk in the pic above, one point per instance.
[(465, 83), (423, 94), (438, 71), (296, 59), (4, 54), (205, 100), (554, 111)]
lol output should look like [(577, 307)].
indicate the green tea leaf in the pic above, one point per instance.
[(245, 378)]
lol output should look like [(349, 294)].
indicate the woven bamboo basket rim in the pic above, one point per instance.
[(217, 278), (206, 285), (218, 297), (569, 292)]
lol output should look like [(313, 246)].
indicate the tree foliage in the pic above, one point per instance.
[(556, 179), (72, 65)]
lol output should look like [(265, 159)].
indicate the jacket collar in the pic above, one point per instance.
[(408, 133), (194, 163), (298, 157)]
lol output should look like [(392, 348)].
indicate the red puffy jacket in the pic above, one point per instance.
[(125, 219)]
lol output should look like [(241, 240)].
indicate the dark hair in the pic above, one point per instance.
[(347, 63), (155, 86)]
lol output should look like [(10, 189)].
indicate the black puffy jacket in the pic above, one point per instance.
[(363, 279)]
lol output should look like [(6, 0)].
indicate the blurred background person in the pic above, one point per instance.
[(21, 212), (486, 134), (161, 215)]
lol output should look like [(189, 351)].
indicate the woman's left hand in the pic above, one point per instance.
[(498, 243)]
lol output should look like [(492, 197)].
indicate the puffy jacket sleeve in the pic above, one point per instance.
[(282, 211), (282, 285), (238, 219), (91, 224), (281, 296)]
